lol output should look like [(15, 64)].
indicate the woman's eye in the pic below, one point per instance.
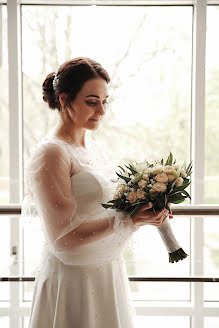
[(91, 103)]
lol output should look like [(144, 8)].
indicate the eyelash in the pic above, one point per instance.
[(91, 103)]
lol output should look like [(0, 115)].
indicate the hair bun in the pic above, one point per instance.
[(48, 91)]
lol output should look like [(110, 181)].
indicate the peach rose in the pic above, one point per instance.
[(171, 177), (140, 193), (142, 183), (158, 186), (183, 174), (179, 182), (132, 196), (162, 177), (168, 169)]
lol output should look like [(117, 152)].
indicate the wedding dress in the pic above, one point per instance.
[(81, 283)]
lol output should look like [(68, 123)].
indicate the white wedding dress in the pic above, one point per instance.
[(81, 283)]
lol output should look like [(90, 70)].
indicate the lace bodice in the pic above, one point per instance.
[(68, 184)]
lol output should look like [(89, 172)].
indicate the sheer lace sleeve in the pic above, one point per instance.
[(49, 184), (66, 204)]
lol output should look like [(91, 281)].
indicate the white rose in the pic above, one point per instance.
[(157, 170), (145, 176)]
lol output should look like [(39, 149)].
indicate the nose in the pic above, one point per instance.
[(101, 109)]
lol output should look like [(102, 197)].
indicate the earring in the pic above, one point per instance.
[(63, 109)]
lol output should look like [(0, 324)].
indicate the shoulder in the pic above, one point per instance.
[(49, 152)]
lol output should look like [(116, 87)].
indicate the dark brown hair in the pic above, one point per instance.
[(70, 78)]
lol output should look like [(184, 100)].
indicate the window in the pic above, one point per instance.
[(155, 105)]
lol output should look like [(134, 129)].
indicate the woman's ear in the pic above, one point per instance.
[(62, 99)]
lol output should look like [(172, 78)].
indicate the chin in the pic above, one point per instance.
[(92, 125)]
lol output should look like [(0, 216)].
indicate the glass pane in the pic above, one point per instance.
[(147, 256), (4, 322), (211, 194), (157, 322), (32, 252), (211, 322), (4, 117), (211, 257), (4, 256)]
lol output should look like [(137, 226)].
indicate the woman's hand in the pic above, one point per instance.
[(146, 216)]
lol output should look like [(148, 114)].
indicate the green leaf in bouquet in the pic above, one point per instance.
[(133, 171), (167, 208), (175, 198), (178, 201), (138, 177), (107, 205), (123, 177), (136, 208), (186, 193), (169, 159), (121, 168), (161, 161), (180, 188), (189, 169)]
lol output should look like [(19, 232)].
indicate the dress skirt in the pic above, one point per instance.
[(86, 296)]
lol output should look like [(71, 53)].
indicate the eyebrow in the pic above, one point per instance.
[(94, 96)]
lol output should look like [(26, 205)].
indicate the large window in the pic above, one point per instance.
[(150, 51)]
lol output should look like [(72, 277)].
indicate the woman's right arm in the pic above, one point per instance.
[(48, 177)]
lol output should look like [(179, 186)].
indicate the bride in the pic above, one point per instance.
[(82, 281)]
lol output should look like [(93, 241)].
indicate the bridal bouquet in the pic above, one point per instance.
[(159, 184)]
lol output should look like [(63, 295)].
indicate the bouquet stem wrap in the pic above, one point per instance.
[(176, 253)]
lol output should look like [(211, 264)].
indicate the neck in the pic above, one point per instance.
[(70, 134)]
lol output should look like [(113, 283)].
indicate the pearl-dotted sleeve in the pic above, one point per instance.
[(64, 204), (49, 184)]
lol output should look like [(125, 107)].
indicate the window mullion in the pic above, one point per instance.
[(197, 153), (15, 147)]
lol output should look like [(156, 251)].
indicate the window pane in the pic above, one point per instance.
[(4, 256), (147, 256), (212, 114), (32, 251), (211, 322), (4, 322), (211, 257), (157, 322), (4, 119)]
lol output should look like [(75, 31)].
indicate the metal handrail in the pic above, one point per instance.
[(202, 209), (164, 279)]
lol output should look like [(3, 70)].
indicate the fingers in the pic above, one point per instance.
[(145, 207)]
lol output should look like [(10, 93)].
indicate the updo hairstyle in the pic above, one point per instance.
[(70, 78)]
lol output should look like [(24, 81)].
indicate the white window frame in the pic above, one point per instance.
[(195, 309)]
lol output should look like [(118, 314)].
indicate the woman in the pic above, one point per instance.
[(82, 281)]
